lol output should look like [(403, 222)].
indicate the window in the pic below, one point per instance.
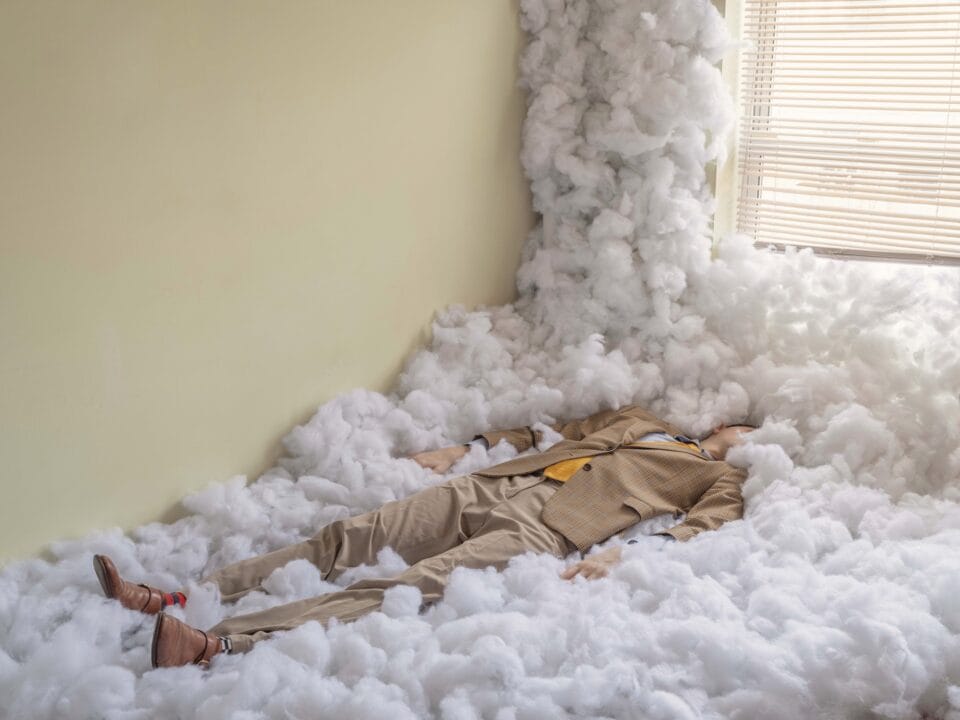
[(849, 135)]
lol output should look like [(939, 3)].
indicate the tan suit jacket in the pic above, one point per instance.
[(625, 481)]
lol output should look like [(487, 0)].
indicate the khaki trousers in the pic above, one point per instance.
[(469, 521)]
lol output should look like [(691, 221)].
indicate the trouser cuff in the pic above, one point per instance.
[(240, 643)]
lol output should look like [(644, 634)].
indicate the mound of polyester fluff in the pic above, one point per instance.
[(835, 597)]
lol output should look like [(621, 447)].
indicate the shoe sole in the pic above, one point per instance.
[(101, 574)]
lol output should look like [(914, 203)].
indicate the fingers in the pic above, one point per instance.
[(596, 571), (439, 460), (570, 572), (588, 568), (430, 461), (422, 459)]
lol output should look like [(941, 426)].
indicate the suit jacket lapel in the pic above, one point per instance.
[(667, 448)]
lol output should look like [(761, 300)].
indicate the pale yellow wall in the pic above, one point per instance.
[(216, 215)]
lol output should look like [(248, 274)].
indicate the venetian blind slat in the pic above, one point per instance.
[(849, 139)]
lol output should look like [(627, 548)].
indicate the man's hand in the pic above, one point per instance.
[(440, 460), (594, 566)]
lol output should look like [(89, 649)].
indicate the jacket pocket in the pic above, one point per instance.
[(642, 508)]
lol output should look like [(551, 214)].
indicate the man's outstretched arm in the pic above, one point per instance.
[(722, 502), (524, 438)]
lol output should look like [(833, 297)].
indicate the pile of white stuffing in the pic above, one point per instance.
[(838, 594)]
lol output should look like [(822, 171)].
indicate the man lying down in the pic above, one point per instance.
[(612, 470)]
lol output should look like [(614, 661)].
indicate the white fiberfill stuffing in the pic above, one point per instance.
[(837, 596)]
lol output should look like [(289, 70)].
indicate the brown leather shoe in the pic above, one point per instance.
[(134, 597), (175, 643)]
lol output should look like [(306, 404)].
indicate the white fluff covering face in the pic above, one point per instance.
[(837, 595)]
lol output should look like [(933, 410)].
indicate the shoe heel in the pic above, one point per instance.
[(101, 574), (156, 635)]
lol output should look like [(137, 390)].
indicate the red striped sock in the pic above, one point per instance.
[(174, 598)]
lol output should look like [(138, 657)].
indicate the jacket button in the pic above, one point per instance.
[(587, 466)]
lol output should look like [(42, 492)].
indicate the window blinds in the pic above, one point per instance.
[(849, 136)]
